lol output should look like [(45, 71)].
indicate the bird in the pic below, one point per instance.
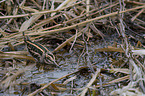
[(39, 52)]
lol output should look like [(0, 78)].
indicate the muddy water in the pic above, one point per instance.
[(69, 63)]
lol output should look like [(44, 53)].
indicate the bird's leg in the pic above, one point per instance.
[(42, 57)]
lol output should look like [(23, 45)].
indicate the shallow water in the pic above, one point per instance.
[(69, 63)]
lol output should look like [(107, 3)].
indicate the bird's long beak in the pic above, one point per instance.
[(56, 64)]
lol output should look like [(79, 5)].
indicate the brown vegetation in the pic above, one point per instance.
[(73, 27)]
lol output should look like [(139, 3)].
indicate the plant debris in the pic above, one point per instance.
[(100, 46)]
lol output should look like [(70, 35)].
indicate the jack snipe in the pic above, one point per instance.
[(39, 52)]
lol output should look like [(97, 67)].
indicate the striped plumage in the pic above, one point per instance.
[(39, 52)]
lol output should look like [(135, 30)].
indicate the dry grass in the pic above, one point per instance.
[(71, 23)]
